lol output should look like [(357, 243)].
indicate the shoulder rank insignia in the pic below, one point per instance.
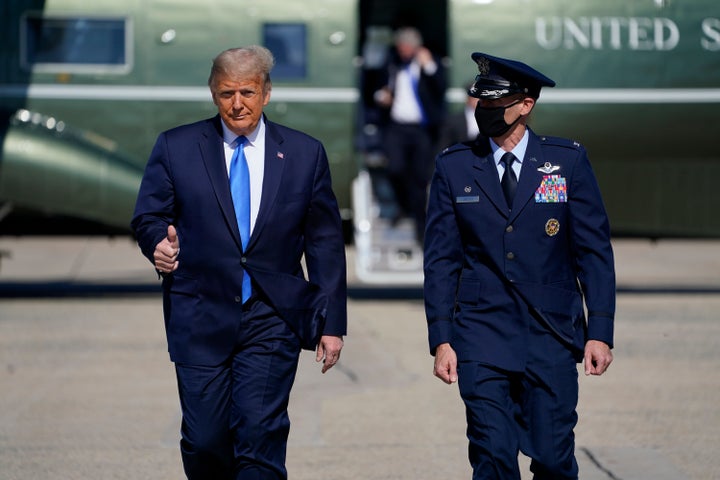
[(549, 168)]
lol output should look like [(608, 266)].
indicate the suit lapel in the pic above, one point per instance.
[(275, 158), (213, 155)]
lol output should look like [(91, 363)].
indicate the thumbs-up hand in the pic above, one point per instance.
[(166, 252), (172, 237)]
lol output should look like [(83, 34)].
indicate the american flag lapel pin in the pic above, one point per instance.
[(280, 155)]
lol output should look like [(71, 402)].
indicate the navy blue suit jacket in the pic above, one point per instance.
[(489, 271), (186, 185)]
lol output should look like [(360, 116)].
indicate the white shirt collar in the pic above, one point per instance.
[(229, 136), (518, 151)]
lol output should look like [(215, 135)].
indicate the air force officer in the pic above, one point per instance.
[(517, 238)]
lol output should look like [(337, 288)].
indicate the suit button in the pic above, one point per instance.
[(509, 229), (238, 299), (510, 255), (243, 259)]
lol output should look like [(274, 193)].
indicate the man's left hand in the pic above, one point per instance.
[(598, 357), (328, 351)]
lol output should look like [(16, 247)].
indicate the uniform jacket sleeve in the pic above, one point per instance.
[(593, 250), (443, 256)]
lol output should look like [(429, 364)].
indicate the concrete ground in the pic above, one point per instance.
[(87, 390)]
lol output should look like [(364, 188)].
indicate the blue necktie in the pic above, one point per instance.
[(240, 190), (415, 86)]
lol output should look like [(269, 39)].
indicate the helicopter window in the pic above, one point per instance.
[(76, 44), (288, 43)]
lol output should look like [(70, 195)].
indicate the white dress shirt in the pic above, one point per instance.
[(255, 155), (406, 108), (518, 151)]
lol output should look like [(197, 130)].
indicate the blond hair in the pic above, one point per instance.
[(243, 62)]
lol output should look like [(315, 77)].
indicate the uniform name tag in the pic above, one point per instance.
[(552, 189), (474, 199)]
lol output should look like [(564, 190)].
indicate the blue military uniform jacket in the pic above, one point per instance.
[(490, 271)]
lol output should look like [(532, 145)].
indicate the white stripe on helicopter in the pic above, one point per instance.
[(350, 95)]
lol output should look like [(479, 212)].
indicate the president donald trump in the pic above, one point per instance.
[(227, 208)]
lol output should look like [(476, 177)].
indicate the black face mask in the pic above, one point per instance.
[(491, 120)]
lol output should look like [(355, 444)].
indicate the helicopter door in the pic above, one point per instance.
[(387, 251)]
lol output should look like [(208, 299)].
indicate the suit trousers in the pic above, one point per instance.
[(533, 412), (409, 166), (235, 423)]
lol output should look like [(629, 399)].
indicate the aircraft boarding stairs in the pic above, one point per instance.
[(386, 252)]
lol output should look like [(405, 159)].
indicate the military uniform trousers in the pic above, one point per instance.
[(533, 411)]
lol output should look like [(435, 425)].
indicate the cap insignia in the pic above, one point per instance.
[(483, 66), (494, 93)]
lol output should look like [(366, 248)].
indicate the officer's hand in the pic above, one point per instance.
[(166, 252), (598, 357), (445, 363), (328, 351)]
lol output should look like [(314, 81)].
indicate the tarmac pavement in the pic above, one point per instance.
[(87, 390)]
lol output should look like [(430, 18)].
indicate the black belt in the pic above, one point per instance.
[(255, 297)]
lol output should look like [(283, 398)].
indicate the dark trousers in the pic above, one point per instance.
[(409, 165), (235, 423), (533, 412)]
